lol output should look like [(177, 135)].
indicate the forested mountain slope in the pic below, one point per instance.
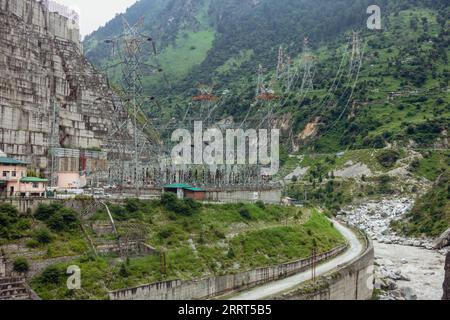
[(400, 93)]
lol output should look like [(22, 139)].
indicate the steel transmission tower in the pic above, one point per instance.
[(206, 99), (356, 52), (280, 62), (287, 70), (308, 66), (133, 50), (54, 142)]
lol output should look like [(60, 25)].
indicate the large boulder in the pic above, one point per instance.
[(446, 285), (443, 240), (389, 285), (408, 293)]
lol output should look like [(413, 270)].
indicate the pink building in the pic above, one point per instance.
[(15, 183)]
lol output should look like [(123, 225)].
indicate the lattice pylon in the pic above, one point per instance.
[(130, 46), (308, 65), (356, 52), (280, 62)]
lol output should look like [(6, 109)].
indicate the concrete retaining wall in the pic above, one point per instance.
[(271, 196), (215, 286), (132, 248), (27, 205), (38, 266), (24, 205), (354, 281), (234, 196), (2, 266)]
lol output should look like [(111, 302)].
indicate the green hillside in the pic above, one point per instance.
[(199, 240), (431, 214), (401, 93)]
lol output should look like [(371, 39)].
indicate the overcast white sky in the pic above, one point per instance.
[(95, 13)]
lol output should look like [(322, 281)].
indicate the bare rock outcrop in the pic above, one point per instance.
[(443, 240), (446, 285), (352, 170)]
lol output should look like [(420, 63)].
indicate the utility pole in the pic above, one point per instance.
[(163, 262), (314, 265)]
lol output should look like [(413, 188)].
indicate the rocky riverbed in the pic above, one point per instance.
[(405, 269), (408, 273)]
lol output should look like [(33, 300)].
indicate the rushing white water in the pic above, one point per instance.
[(425, 268), (402, 263)]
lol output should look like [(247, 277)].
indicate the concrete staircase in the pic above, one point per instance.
[(12, 287)]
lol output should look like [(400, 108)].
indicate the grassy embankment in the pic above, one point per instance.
[(202, 241)]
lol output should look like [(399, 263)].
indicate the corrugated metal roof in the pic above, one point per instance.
[(183, 186), (196, 189), (177, 186), (11, 161), (33, 180)]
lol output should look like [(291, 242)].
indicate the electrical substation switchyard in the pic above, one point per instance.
[(137, 161)]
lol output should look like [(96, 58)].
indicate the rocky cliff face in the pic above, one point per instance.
[(50, 96), (447, 279)]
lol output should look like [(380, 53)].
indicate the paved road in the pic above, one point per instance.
[(278, 286)]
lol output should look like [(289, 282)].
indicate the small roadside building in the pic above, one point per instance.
[(33, 187), (14, 181), (11, 171), (183, 190)]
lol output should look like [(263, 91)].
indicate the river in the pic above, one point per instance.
[(405, 268)]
